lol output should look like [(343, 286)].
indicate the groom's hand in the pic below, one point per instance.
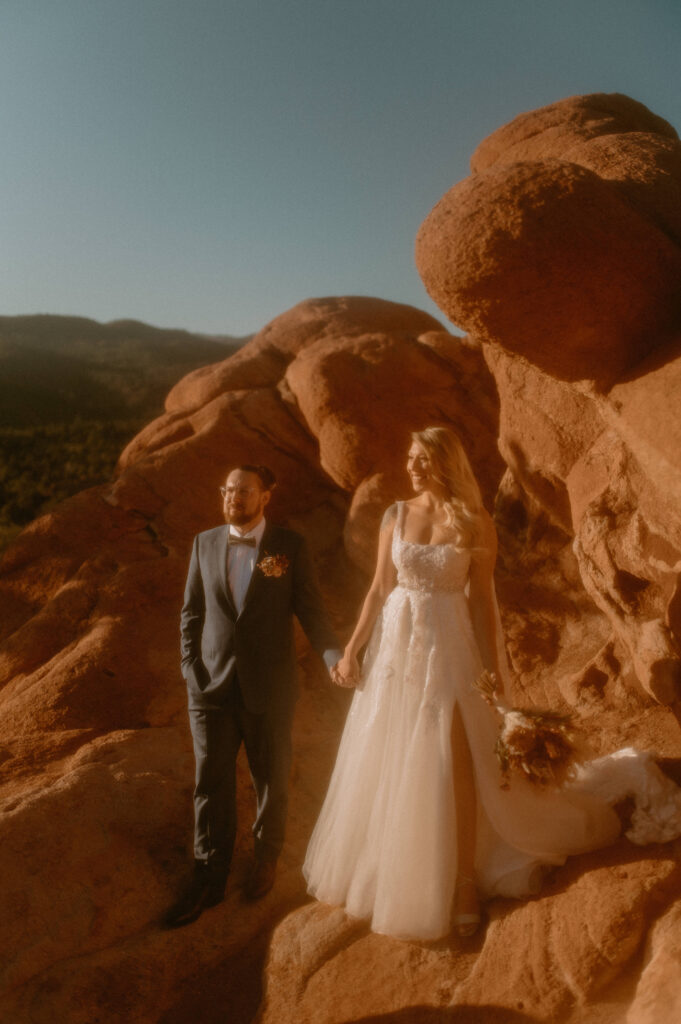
[(337, 678), (345, 672)]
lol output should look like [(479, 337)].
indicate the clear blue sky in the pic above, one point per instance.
[(209, 163)]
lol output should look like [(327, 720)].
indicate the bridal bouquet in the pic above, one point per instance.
[(538, 744)]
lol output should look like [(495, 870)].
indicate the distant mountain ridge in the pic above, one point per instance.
[(73, 392), (54, 369)]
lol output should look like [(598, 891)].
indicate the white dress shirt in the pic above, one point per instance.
[(241, 561)]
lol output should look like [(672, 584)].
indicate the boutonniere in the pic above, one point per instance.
[(273, 565)]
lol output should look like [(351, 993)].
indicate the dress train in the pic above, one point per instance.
[(384, 845)]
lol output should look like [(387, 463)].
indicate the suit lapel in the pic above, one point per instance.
[(256, 576), (222, 555)]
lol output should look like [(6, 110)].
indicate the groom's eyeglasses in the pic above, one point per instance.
[(236, 492)]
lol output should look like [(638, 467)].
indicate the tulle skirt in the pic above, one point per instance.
[(384, 845)]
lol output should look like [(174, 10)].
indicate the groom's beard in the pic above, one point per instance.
[(240, 516)]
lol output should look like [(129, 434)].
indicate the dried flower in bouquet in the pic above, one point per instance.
[(540, 745)]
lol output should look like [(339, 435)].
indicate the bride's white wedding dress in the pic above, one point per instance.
[(384, 845)]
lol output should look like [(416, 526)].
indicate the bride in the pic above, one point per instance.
[(416, 826)]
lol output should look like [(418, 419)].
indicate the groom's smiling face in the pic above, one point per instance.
[(244, 499)]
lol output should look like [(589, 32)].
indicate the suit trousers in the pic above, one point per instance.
[(218, 734)]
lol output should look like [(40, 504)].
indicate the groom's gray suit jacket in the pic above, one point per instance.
[(256, 645)]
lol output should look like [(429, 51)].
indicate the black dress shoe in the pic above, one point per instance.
[(205, 889), (260, 880)]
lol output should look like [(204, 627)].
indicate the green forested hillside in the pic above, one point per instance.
[(73, 392)]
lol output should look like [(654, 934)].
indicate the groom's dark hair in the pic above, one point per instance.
[(264, 474)]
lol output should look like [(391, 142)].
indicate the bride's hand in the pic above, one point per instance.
[(346, 672), (488, 685)]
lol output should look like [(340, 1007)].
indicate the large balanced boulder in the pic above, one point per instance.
[(618, 138), (560, 253), (539, 252)]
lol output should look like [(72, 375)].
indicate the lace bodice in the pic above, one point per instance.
[(427, 567)]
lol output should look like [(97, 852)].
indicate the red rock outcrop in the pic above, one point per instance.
[(549, 959), (96, 767), (602, 464), (533, 256), (580, 327), (541, 253), (619, 139)]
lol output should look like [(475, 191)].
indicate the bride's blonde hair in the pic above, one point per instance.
[(451, 469)]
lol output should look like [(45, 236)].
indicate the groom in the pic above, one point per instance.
[(246, 581)]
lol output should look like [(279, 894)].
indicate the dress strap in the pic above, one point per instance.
[(399, 525), (392, 515)]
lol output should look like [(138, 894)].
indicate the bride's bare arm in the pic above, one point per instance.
[(481, 597), (381, 585)]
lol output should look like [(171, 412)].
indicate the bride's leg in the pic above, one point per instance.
[(466, 904)]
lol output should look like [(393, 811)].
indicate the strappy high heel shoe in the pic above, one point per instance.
[(466, 925)]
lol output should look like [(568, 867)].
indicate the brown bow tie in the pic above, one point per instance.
[(249, 541)]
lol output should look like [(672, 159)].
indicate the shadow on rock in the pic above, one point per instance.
[(449, 1015)]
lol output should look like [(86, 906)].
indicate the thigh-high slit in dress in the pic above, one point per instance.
[(384, 845)]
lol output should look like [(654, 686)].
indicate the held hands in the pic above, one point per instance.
[(346, 671)]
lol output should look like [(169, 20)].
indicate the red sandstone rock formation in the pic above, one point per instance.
[(533, 256), (563, 245), (96, 768), (560, 255), (603, 464)]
